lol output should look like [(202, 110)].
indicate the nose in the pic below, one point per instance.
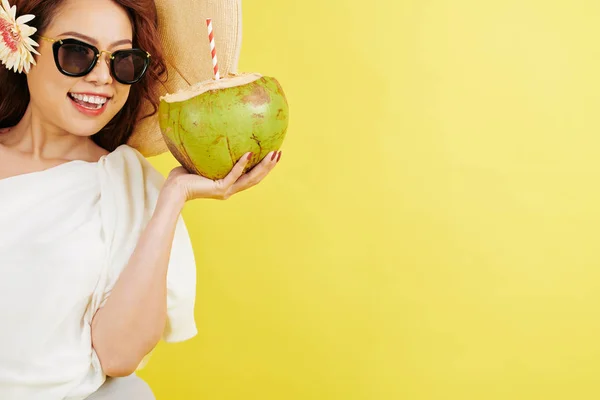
[(100, 75)]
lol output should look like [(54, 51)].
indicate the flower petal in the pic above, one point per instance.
[(17, 53), (31, 42), (23, 19), (13, 13), (5, 5), (27, 30)]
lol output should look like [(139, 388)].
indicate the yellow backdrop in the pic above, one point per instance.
[(432, 229)]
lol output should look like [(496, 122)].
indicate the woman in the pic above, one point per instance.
[(96, 264)]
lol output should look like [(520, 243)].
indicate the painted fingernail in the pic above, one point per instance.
[(250, 156), (279, 157), (274, 155)]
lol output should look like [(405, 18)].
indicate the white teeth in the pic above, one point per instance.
[(99, 100)]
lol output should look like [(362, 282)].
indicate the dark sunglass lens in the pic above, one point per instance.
[(75, 58), (130, 65)]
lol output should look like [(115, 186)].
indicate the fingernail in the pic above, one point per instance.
[(250, 156), (279, 158), (274, 155)]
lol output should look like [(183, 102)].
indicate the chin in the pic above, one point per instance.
[(84, 130), (85, 126)]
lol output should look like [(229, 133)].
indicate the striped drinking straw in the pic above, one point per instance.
[(213, 50)]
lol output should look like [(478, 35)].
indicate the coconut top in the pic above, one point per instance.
[(212, 84)]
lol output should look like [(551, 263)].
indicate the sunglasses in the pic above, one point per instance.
[(76, 59)]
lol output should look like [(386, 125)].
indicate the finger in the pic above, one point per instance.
[(237, 171), (258, 173)]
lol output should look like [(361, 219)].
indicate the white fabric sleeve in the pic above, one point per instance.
[(181, 288), (129, 191)]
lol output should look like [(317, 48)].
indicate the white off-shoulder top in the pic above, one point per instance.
[(66, 233)]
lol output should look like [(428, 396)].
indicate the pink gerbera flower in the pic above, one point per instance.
[(16, 46)]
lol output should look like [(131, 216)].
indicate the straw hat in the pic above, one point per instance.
[(184, 36)]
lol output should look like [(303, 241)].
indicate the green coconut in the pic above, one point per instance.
[(210, 126)]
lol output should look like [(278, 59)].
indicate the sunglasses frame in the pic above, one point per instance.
[(58, 43)]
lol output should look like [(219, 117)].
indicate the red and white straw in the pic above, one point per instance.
[(213, 49)]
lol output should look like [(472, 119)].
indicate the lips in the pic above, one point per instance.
[(88, 103)]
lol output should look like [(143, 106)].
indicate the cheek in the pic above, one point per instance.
[(45, 65), (121, 95), (45, 80)]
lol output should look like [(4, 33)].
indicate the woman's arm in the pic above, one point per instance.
[(131, 322)]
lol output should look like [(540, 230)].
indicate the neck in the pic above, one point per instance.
[(36, 137)]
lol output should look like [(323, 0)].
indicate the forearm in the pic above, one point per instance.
[(131, 322)]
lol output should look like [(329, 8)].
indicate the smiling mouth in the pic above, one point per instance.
[(89, 102)]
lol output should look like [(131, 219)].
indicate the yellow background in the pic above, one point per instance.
[(432, 229)]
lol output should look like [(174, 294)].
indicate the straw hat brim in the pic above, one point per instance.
[(184, 36)]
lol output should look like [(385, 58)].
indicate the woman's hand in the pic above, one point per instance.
[(191, 186)]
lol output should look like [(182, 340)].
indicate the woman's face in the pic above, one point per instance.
[(57, 97)]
